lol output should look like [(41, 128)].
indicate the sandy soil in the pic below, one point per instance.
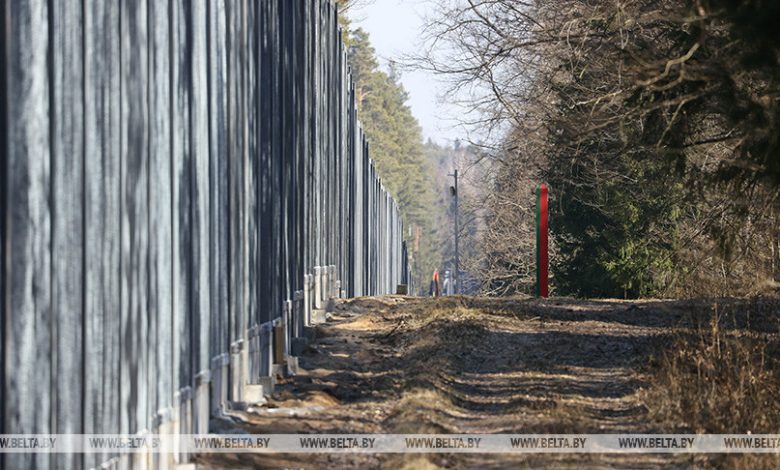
[(465, 365)]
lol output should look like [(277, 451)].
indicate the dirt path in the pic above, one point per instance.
[(461, 365)]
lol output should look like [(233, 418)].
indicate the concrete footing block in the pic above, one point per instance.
[(332, 274), (308, 294), (165, 426), (269, 384), (318, 316), (183, 420), (254, 356), (254, 394), (141, 460), (123, 462), (287, 324), (297, 314), (318, 288), (279, 370), (224, 386), (236, 375), (200, 403), (111, 464), (266, 348), (219, 375), (292, 365), (325, 290)]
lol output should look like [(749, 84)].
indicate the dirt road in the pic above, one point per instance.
[(462, 365)]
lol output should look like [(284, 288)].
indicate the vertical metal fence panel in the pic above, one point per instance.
[(302, 108), (240, 33), (252, 180), (160, 311), (28, 237), (199, 195), (366, 201), (67, 160), (347, 152), (298, 188), (285, 156), (310, 129), (233, 157), (180, 188), (101, 220), (277, 196), (265, 210), (218, 141), (351, 196), (198, 135), (134, 210), (4, 7), (335, 81), (255, 192), (174, 172), (319, 175)]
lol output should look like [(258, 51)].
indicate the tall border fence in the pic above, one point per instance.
[(185, 187)]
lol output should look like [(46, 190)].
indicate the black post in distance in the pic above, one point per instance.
[(456, 277)]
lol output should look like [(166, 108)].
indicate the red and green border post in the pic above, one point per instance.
[(542, 245)]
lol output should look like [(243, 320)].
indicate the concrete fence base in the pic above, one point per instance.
[(220, 376)]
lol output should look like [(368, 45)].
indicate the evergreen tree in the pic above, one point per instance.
[(397, 149)]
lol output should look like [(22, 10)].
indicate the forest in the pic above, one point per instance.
[(654, 122)]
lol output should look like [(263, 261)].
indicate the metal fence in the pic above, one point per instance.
[(185, 185)]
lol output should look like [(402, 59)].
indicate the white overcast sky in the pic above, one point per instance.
[(394, 27)]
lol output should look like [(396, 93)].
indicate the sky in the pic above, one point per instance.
[(394, 27)]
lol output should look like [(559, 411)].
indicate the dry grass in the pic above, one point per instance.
[(722, 377), (475, 365)]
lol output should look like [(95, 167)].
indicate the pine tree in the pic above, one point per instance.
[(397, 149)]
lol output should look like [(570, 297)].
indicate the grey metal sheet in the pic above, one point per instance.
[(161, 306), (181, 177), (134, 148), (28, 230), (67, 168), (101, 221), (207, 159)]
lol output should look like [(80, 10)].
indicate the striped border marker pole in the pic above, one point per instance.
[(542, 228)]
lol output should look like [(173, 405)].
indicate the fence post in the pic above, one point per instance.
[(317, 288), (308, 289), (332, 281), (266, 354), (542, 257)]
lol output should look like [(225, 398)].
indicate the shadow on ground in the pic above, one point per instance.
[(476, 365)]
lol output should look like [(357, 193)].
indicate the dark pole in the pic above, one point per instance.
[(456, 277)]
